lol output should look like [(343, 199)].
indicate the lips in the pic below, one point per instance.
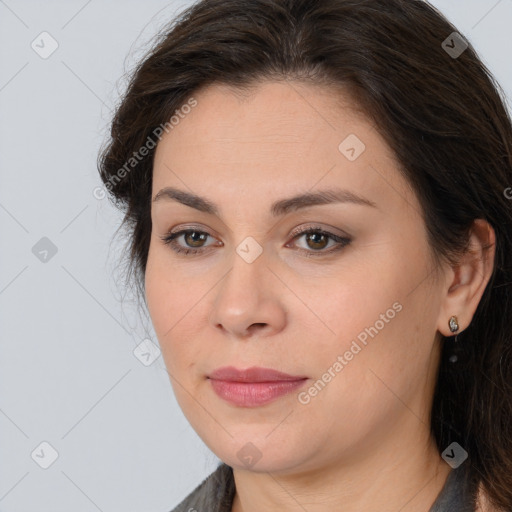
[(253, 374), (254, 386)]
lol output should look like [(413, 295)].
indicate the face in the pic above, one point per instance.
[(350, 307)]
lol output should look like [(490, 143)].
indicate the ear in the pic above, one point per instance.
[(466, 281)]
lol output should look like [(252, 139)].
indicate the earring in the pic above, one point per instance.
[(454, 327), (453, 324)]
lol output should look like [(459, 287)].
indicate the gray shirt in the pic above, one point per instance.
[(216, 492)]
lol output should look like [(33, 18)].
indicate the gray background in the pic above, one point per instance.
[(68, 373)]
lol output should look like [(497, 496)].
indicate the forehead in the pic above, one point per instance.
[(284, 109), (274, 136)]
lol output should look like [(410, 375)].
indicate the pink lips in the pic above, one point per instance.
[(254, 386)]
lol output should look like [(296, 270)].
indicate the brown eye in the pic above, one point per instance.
[(317, 240), (193, 241), (194, 238)]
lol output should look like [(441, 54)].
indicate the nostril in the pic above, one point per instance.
[(257, 327)]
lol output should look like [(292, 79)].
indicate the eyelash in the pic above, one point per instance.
[(170, 239)]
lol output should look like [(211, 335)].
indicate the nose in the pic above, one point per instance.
[(248, 301)]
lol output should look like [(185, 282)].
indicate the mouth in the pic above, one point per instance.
[(254, 386)]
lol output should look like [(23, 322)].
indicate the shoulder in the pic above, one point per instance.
[(215, 493)]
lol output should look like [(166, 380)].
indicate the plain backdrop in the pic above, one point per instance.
[(85, 425)]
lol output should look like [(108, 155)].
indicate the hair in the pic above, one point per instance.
[(445, 118)]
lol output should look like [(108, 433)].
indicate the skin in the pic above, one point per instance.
[(363, 442)]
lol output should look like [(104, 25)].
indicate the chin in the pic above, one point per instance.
[(261, 455)]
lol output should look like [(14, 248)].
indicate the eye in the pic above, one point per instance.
[(192, 237), (318, 239)]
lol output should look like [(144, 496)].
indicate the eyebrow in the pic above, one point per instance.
[(278, 208)]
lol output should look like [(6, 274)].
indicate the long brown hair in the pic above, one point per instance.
[(441, 112)]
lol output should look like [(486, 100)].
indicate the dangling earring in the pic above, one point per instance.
[(454, 327)]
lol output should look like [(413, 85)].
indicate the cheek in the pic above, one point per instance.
[(346, 305), (175, 304), (380, 322), (159, 297), (162, 296)]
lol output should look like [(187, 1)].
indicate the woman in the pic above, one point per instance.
[(317, 196)]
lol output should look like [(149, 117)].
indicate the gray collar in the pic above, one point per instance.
[(457, 494)]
